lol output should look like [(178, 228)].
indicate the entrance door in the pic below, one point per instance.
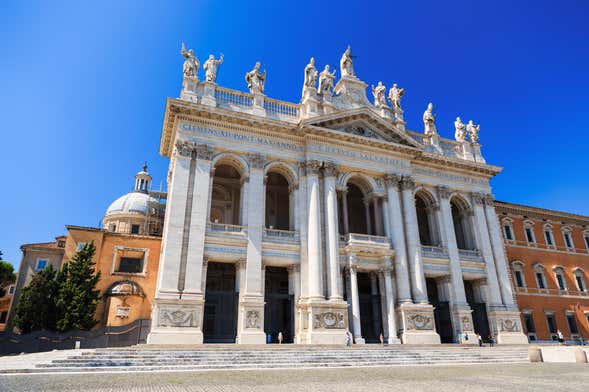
[(441, 312), (220, 317), (279, 307), (370, 310), (479, 312)]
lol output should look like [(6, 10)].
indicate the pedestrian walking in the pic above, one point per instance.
[(480, 339), (381, 340), (560, 337), (280, 337), (348, 339), (491, 341)]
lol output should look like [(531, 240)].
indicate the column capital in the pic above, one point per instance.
[(294, 268), (407, 183), (256, 161), (443, 191), (184, 148), (478, 198), (293, 187), (392, 180), (330, 169), (489, 200), (312, 166), (204, 152)]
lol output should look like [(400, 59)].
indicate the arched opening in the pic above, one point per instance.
[(357, 216), (277, 202), (226, 195), (462, 224), (426, 220)]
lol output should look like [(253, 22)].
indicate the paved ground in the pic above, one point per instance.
[(524, 377)]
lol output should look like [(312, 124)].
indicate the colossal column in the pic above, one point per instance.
[(390, 302), (178, 305), (355, 300), (250, 321), (461, 312), (314, 231), (332, 235)]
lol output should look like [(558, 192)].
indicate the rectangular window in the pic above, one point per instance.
[(540, 279), (572, 323), (112, 227), (567, 240), (3, 316), (519, 280), (132, 265), (11, 290), (41, 264), (529, 235), (80, 246), (587, 242), (580, 283), (529, 322), (548, 236), (134, 229), (508, 234), (551, 323), (560, 280)]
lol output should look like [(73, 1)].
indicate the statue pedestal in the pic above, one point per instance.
[(328, 106), (189, 89), (385, 112), (506, 327), (465, 151), (309, 103), (258, 105), (417, 324), (323, 322), (398, 118), (462, 323), (176, 321), (476, 152), (352, 91), (208, 94), (250, 322)]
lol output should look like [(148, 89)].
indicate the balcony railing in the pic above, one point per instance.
[(439, 252), (224, 227), (558, 292), (542, 245), (352, 237), (276, 234), (276, 107), (473, 255), (231, 97)]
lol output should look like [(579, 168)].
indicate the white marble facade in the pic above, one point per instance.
[(420, 210)]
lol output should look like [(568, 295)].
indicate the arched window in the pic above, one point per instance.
[(359, 220), (226, 195), (277, 202), (425, 207), (518, 274), (559, 276), (529, 233), (539, 272), (580, 279), (508, 229), (568, 238), (549, 235), (461, 219)]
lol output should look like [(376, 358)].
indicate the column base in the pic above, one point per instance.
[(323, 322), (250, 323), (417, 324), (462, 324), (506, 327), (359, 340), (176, 321), (393, 340)]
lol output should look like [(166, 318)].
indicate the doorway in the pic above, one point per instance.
[(279, 306), (220, 314)]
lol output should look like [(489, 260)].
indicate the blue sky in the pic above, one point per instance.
[(83, 88)]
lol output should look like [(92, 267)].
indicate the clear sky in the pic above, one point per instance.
[(83, 88)]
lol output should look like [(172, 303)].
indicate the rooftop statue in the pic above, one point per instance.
[(191, 64), (379, 95), (310, 74), (210, 67), (460, 134), (429, 121), (395, 95), (346, 64), (256, 79), (326, 80), (473, 131)]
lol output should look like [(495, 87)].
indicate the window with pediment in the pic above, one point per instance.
[(567, 234), (529, 233), (540, 273), (580, 279), (518, 274), (549, 235), (508, 229), (560, 279)]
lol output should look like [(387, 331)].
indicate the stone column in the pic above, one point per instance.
[(484, 244), (417, 276), (498, 252), (390, 303), (348, 284), (377, 216), (397, 237), (345, 211), (212, 176), (355, 301), (294, 289), (292, 188), (332, 235), (367, 216), (374, 303), (251, 304), (179, 285), (462, 319), (314, 256), (205, 267)]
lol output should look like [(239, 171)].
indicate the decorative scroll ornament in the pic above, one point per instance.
[(478, 198), (465, 321), (329, 320), (392, 180), (175, 317), (443, 191), (184, 148), (257, 161), (330, 169), (312, 166), (419, 321), (508, 325), (252, 319), (407, 183)]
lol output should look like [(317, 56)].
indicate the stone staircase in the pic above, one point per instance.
[(147, 358)]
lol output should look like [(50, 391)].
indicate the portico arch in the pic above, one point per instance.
[(462, 222), (281, 181), (228, 175), (426, 207), (360, 205)]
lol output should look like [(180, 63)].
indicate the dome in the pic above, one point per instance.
[(137, 202)]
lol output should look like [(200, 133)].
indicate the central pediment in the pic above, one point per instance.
[(363, 122)]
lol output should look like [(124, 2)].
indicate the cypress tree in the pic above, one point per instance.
[(78, 298), (36, 308)]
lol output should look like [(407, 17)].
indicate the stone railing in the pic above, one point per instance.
[(559, 292), (353, 237), (280, 108), (439, 252), (473, 255), (275, 234), (224, 227), (228, 97)]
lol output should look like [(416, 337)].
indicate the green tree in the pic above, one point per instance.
[(7, 275), (78, 298), (36, 308)]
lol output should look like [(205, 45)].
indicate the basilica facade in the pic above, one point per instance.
[(310, 220)]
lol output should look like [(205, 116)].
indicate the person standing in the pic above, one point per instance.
[(560, 337), (348, 339), (280, 337), (491, 341), (480, 340)]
